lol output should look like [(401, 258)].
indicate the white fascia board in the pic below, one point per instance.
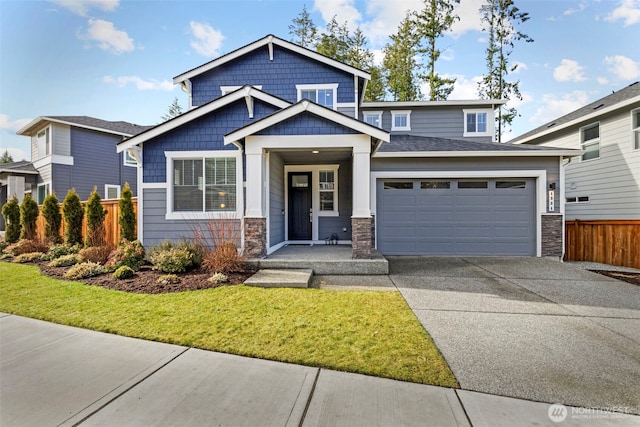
[(311, 107), (574, 122), (449, 103), (523, 153), (264, 42), (201, 111), (43, 119)]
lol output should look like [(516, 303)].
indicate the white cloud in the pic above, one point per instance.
[(109, 38), (140, 83), (385, 17), (553, 106), (463, 88), (81, 7), (520, 66), (622, 67), (207, 41), (470, 17), (343, 10), (603, 80), (569, 71), (12, 125), (629, 11), (571, 11)]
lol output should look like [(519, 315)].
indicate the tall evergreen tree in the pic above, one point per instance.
[(29, 212), (302, 29), (376, 89), (6, 157), (127, 216), (336, 42), (95, 220), (500, 19), (52, 218), (174, 110), (399, 63), (432, 22), (73, 214)]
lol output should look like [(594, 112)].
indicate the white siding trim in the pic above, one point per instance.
[(106, 190), (53, 159), (395, 113), (539, 175)]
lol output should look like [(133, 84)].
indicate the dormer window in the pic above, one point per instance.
[(324, 94), (44, 142), (478, 123), (401, 120)]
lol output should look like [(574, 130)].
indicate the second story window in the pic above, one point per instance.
[(129, 160), (477, 123), (401, 120), (323, 94), (635, 125), (590, 141), (374, 118), (44, 143)]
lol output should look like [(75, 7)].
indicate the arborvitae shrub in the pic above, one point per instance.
[(52, 219), (11, 214), (73, 215), (127, 218), (95, 220), (28, 215)]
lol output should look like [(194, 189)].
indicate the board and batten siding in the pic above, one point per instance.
[(612, 181), (276, 199)]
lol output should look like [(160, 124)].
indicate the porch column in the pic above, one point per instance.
[(255, 222), (361, 237)]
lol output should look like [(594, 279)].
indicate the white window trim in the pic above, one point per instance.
[(185, 155), (490, 122), (44, 184), (635, 130), (128, 158), (395, 113), (333, 86), (228, 89), (593, 141), (106, 191), (48, 131), (377, 114)]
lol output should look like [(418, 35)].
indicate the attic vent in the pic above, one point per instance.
[(598, 106), (551, 125)]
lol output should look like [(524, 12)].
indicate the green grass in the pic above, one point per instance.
[(373, 333)]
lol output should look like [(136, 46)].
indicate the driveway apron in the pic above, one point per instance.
[(531, 328)]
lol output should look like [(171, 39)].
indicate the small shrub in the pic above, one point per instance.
[(174, 260), (57, 251), (218, 278), (26, 246), (98, 254), (3, 245), (224, 259), (65, 260), (11, 214), (52, 218), (73, 214), (5, 257), (95, 220), (168, 279), (28, 215), (127, 219), (84, 270), (129, 253), (29, 257), (123, 272), (195, 249)]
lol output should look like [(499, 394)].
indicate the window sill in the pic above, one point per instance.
[(186, 216), (328, 213)]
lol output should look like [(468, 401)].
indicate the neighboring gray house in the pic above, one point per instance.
[(277, 139), (604, 183)]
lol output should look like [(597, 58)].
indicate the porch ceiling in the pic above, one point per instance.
[(307, 155)]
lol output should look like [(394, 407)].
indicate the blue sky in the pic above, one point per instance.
[(115, 59)]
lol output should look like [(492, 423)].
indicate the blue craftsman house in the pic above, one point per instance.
[(278, 140)]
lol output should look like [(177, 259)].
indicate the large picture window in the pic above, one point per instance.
[(204, 185), (322, 94)]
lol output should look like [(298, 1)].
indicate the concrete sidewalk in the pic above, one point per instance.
[(59, 375)]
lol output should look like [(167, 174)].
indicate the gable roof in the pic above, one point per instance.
[(269, 41), (22, 166), (245, 92), (429, 146), (616, 100), (85, 122), (299, 108)]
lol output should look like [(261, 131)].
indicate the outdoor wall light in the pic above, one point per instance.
[(552, 186), (315, 151)]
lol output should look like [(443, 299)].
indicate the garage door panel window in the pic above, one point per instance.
[(398, 185), (477, 185), (511, 184), (435, 185)]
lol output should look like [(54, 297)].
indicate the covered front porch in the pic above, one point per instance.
[(323, 260)]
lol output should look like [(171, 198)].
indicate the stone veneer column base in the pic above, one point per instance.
[(361, 238), (255, 237), (552, 235)]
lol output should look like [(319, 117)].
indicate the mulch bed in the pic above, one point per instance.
[(145, 280), (633, 278)]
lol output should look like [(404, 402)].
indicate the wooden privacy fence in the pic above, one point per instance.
[(111, 221), (615, 242)]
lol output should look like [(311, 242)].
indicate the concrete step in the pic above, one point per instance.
[(273, 278)]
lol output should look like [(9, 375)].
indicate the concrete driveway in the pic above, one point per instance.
[(529, 327)]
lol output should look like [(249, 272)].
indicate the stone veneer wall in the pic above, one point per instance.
[(255, 237), (361, 237), (552, 235)]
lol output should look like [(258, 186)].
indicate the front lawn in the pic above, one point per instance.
[(366, 332)]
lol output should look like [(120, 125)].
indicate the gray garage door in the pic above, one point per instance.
[(456, 217)]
